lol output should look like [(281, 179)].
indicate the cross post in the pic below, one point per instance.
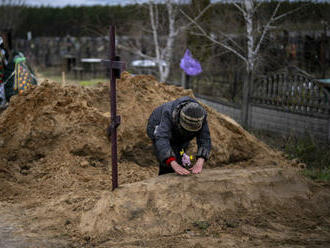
[(115, 66)]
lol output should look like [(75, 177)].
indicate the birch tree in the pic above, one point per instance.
[(163, 54), (255, 36), (163, 42)]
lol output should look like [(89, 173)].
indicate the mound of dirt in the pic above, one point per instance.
[(55, 155), (216, 200), (56, 136)]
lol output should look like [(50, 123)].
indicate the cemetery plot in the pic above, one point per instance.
[(56, 177)]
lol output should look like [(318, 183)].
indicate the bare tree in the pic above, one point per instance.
[(164, 32), (255, 36)]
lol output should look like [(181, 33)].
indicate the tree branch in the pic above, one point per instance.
[(266, 29), (289, 12), (181, 29), (213, 39), (240, 8), (135, 51), (154, 28)]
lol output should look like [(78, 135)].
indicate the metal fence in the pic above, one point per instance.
[(292, 92)]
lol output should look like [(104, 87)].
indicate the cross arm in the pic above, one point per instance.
[(116, 65)]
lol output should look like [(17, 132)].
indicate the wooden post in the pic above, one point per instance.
[(185, 80), (63, 78)]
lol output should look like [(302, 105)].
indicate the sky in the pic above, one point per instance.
[(61, 3)]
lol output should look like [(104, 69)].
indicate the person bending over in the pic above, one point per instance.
[(171, 127)]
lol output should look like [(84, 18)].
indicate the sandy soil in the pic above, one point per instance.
[(55, 178)]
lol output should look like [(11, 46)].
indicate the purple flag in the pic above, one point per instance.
[(190, 65)]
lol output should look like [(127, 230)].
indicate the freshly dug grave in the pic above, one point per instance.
[(55, 163), (268, 206)]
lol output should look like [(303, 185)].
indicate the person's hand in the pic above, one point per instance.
[(197, 168), (179, 169)]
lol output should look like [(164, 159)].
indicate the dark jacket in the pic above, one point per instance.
[(167, 134)]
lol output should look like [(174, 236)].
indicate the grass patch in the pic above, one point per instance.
[(92, 82), (202, 225), (305, 149), (308, 151), (318, 174), (54, 75)]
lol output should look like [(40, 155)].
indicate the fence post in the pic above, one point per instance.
[(329, 130), (185, 80)]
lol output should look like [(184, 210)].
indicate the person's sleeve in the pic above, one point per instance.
[(204, 142), (163, 135)]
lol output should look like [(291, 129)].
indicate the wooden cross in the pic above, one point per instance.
[(115, 66)]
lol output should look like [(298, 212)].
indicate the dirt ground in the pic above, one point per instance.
[(55, 178)]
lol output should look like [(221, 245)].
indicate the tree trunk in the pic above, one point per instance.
[(246, 99), (250, 63)]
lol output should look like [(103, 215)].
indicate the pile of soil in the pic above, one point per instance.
[(55, 163), (56, 136)]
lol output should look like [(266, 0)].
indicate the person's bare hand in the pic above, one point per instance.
[(197, 168), (179, 169)]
